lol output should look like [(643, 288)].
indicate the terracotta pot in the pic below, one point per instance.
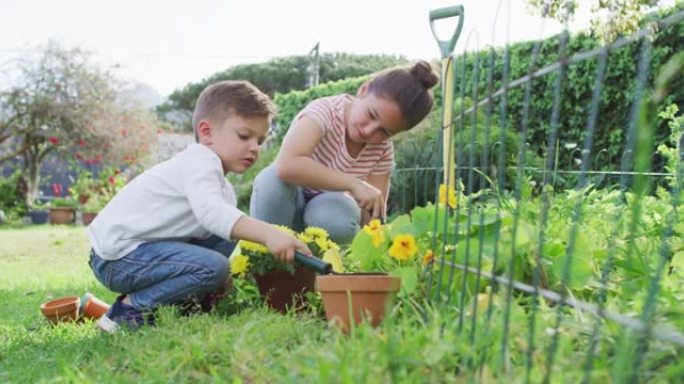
[(88, 217), (282, 289), (61, 310), (82, 199), (367, 296), (92, 307), (61, 215)]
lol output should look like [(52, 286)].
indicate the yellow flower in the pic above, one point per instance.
[(376, 230), (333, 245), (372, 227), (285, 228), (332, 256), (316, 233), (239, 264), (322, 244), (447, 195), (403, 247), (253, 247), (429, 256), (305, 238)]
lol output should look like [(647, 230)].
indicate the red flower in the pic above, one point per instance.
[(53, 140), (57, 189), (81, 143)]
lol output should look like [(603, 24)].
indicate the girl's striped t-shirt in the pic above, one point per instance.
[(328, 113)]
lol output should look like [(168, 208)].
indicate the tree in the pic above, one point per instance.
[(612, 18), (281, 75), (66, 106)]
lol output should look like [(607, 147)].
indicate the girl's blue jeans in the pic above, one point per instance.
[(167, 272), (278, 202)]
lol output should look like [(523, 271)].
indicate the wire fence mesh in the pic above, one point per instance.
[(558, 254)]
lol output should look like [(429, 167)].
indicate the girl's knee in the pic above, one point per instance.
[(336, 213)]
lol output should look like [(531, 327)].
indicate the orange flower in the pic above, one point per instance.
[(429, 256)]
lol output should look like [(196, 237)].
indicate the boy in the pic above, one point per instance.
[(164, 238)]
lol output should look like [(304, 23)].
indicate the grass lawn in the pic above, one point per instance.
[(255, 345)]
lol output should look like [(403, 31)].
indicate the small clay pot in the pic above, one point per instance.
[(92, 307), (61, 310), (357, 297), (88, 217)]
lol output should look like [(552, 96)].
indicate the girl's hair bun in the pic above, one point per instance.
[(422, 71)]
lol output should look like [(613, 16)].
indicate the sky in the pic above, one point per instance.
[(168, 44)]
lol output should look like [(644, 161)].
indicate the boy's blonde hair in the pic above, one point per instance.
[(219, 100)]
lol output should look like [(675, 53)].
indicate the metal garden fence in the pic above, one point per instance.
[(564, 250)]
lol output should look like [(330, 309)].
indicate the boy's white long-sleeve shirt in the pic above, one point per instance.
[(184, 197)]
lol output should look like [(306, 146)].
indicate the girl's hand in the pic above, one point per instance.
[(368, 198), (283, 245)]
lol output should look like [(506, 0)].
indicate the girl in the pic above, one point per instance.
[(333, 169)]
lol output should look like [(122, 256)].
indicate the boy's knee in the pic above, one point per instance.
[(219, 272)]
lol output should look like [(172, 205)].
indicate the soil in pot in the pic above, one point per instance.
[(357, 296), (61, 310), (281, 289)]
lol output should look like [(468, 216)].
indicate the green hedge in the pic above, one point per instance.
[(576, 93)]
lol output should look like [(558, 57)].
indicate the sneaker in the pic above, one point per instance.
[(120, 314)]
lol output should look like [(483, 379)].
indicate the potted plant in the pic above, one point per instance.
[(90, 209), (283, 285), (38, 213), (380, 257), (83, 187), (386, 260), (62, 210)]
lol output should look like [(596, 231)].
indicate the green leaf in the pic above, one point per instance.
[(424, 218), (409, 279), (402, 224), (363, 251)]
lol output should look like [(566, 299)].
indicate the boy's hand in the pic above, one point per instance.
[(283, 245), (368, 198)]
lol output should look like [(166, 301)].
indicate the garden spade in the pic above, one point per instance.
[(446, 48), (313, 263)]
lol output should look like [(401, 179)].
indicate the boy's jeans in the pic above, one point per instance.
[(277, 202), (167, 272)]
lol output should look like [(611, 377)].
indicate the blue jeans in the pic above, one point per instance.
[(278, 202), (167, 272)]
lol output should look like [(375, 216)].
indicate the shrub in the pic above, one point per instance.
[(10, 197)]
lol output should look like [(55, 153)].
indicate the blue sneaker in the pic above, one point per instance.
[(121, 314)]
